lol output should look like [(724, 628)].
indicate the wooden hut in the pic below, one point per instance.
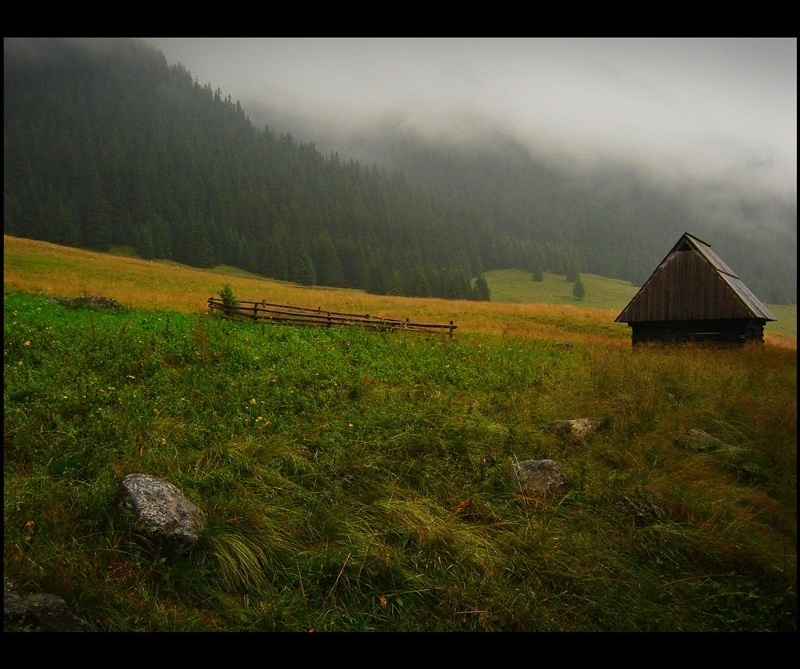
[(693, 296)]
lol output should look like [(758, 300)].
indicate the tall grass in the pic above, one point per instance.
[(356, 481)]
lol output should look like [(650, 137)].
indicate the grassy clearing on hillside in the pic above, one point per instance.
[(786, 323), (355, 481), (515, 285)]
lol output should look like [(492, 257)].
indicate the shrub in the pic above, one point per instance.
[(228, 298)]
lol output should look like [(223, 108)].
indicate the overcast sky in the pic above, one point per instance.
[(725, 107)]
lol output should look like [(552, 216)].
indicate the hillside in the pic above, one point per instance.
[(109, 145), (364, 481), (525, 308)]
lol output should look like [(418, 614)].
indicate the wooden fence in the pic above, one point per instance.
[(264, 312)]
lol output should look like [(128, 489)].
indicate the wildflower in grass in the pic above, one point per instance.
[(28, 343), (252, 400)]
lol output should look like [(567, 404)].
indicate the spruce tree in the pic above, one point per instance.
[(301, 267), (376, 281), (327, 263), (481, 289)]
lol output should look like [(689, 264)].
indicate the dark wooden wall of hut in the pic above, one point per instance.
[(731, 332)]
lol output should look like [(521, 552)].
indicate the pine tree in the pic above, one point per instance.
[(144, 240), (301, 267), (578, 289), (275, 255), (94, 212), (481, 289), (376, 281), (162, 237), (194, 245), (352, 263), (327, 263)]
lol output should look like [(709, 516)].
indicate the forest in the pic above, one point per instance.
[(108, 145)]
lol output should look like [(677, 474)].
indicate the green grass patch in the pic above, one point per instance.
[(786, 315), (516, 285), (355, 480)]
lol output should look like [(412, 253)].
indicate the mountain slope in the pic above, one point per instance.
[(106, 144)]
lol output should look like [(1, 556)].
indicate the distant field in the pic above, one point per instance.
[(787, 319), (516, 286)]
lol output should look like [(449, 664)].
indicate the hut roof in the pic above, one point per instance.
[(699, 285)]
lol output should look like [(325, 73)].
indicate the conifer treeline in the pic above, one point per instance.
[(115, 147), (108, 145)]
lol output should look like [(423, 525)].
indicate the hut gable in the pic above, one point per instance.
[(694, 295)]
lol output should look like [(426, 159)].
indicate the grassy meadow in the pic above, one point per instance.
[(355, 481)]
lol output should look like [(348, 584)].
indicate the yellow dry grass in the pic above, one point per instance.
[(50, 269)]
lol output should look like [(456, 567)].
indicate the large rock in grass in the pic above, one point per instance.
[(577, 427), (162, 512), (538, 478), (38, 612)]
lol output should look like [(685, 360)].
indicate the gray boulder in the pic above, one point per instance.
[(699, 440), (537, 478), (576, 427), (38, 612), (161, 511)]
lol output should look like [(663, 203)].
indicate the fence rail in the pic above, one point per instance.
[(265, 312)]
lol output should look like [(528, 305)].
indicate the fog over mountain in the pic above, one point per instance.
[(718, 109)]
